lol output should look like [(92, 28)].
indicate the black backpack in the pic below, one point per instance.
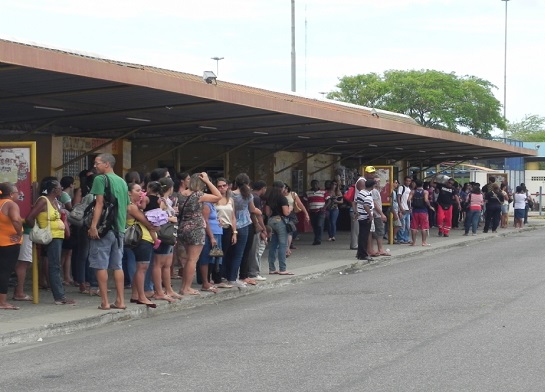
[(418, 199), (108, 216)]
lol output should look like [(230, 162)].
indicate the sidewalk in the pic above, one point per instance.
[(34, 322)]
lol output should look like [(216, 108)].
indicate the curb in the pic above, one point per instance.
[(55, 329)]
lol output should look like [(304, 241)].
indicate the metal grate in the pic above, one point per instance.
[(76, 167)]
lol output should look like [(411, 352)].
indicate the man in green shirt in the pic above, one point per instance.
[(107, 252)]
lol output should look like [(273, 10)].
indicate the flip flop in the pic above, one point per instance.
[(273, 272), (384, 254), (25, 298), (114, 306), (426, 244), (100, 307), (211, 289), (285, 273), (9, 307), (223, 285)]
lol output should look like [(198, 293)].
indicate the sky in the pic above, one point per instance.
[(334, 38)]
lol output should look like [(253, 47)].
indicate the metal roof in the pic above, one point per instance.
[(49, 91)]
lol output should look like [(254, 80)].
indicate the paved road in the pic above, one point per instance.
[(468, 318)]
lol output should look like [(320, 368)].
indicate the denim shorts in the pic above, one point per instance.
[(504, 208), (106, 252), (163, 249), (143, 252)]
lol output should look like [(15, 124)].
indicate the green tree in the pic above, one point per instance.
[(530, 129), (434, 99)]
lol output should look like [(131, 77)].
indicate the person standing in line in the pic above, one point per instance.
[(420, 203), (46, 211), (519, 205), (364, 205), (191, 230), (354, 225), (244, 207), (473, 214), (403, 192), (379, 220), (277, 209), (257, 239), (446, 198), (11, 235), (107, 252), (335, 199), (494, 200), (316, 199)]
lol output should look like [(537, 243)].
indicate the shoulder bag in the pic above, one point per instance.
[(133, 235), (42, 236)]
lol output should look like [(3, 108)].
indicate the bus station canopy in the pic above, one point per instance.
[(50, 91)]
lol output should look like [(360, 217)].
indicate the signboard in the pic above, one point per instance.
[(18, 166)]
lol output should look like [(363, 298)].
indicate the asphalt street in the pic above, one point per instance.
[(468, 318)]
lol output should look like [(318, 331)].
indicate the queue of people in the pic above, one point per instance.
[(223, 228)]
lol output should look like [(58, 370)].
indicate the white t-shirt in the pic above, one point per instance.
[(404, 192), (519, 202)]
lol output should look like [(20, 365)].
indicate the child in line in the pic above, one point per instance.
[(153, 211)]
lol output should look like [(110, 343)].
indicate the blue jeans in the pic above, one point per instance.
[(317, 222), (472, 220), (279, 242), (332, 228), (234, 257), (148, 284), (129, 263), (54, 249), (405, 231)]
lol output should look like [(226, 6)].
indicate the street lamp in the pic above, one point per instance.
[(505, 74), (218, 63)]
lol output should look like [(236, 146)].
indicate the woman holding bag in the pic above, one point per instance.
[(46, 212), (144, 250)]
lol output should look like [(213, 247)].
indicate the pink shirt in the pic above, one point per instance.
[(475, 201)]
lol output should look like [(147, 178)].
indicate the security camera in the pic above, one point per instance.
[(209, 77), (537, 146), (374, 113)]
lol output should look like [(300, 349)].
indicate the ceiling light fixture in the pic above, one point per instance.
[(373, 145), (399, 148), (303, 137), (421, 151), (207, 127), (261, 133), (137, 119), (342, 141), (49, 108)]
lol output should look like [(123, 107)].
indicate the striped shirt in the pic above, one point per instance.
[(316, 200), (364, 198)]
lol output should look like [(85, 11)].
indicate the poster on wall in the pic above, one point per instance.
[(18, 166), (385, 173)]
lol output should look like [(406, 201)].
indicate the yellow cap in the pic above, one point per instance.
[(370, 169)]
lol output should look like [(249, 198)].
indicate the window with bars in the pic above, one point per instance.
[(75, 167)]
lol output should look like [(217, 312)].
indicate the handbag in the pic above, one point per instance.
[(42, 236), (290, 226), (216, 252), (75, 217), (133, 235), (167, 233)]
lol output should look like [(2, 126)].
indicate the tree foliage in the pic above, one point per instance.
[(434, 99), (530, 129)]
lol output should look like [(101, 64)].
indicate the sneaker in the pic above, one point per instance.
[(237, 283), (260, 278), (440, 234)]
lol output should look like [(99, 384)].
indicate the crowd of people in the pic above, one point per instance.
[(223, 228)]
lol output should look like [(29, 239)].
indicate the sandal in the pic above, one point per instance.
[(65, 301)]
